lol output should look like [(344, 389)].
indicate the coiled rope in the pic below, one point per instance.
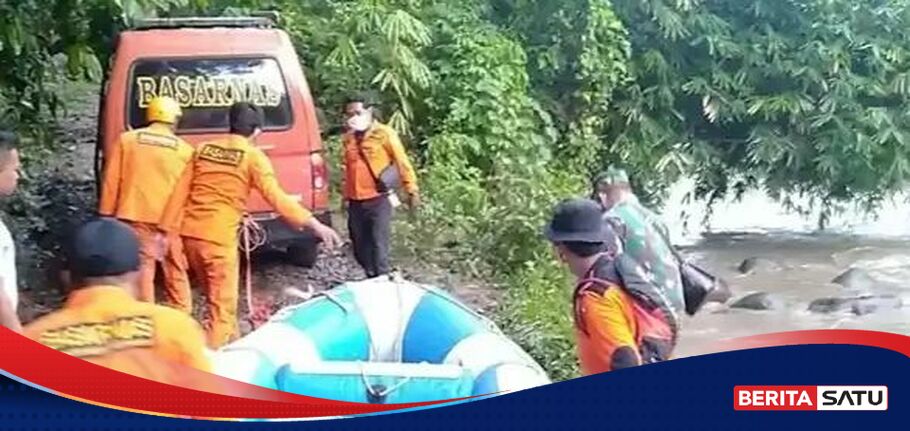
[(252, 237)]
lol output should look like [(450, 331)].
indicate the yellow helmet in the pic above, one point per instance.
[(163, 109)]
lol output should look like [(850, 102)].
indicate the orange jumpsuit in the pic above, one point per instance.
[(140, 174), (613, 329), (106, 326), (207, 211)]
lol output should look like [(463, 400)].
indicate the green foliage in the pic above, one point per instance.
[(487, 162), (536, 316), (24, 75), (352, 46), (43, 43), (798, 97), (491, 178), (579, 52)]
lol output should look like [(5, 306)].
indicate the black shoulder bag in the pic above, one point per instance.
[(699, 285)]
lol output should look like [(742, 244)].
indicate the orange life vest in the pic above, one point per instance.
[(615, 328)]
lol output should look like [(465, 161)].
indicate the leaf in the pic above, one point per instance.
[(14, 35), (710, 108)]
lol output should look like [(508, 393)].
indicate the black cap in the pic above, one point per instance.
[(578, 220), (103, 247)]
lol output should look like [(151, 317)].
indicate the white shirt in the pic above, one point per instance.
[(8, 266)]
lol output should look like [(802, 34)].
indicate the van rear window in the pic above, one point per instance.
[(206, 88)]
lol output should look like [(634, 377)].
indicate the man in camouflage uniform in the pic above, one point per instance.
[(643, 235)]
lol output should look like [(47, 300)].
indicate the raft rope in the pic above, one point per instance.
[(379, 395), (253, 236)]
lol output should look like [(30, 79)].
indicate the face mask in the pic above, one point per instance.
[(360, 123)]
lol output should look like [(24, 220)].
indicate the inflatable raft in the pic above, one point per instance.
[(380, 341)]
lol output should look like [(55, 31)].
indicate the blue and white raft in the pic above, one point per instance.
[(380, 341)]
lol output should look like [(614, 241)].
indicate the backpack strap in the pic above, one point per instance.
[(359, 143), (598, 286)]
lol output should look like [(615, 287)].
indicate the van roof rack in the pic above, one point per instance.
[(264, 21)]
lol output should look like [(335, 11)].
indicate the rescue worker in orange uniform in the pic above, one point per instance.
[(103, 322), (208, 209), (140, 174), (615, 328), (372, 150)]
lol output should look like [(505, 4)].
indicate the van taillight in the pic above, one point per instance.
[(320, 171)]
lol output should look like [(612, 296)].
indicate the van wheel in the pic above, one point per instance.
[(303, 254)]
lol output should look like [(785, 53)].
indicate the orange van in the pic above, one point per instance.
[(207, 64)]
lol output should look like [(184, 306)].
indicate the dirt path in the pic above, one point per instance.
[(67, 189)]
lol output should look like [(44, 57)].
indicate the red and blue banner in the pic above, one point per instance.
[(810, 380)]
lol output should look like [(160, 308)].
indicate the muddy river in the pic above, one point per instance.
[(795, 265)]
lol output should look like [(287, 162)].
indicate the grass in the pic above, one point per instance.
[(536, 313)]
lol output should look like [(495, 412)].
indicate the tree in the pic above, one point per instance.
[(799, 97), (35, 34)]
